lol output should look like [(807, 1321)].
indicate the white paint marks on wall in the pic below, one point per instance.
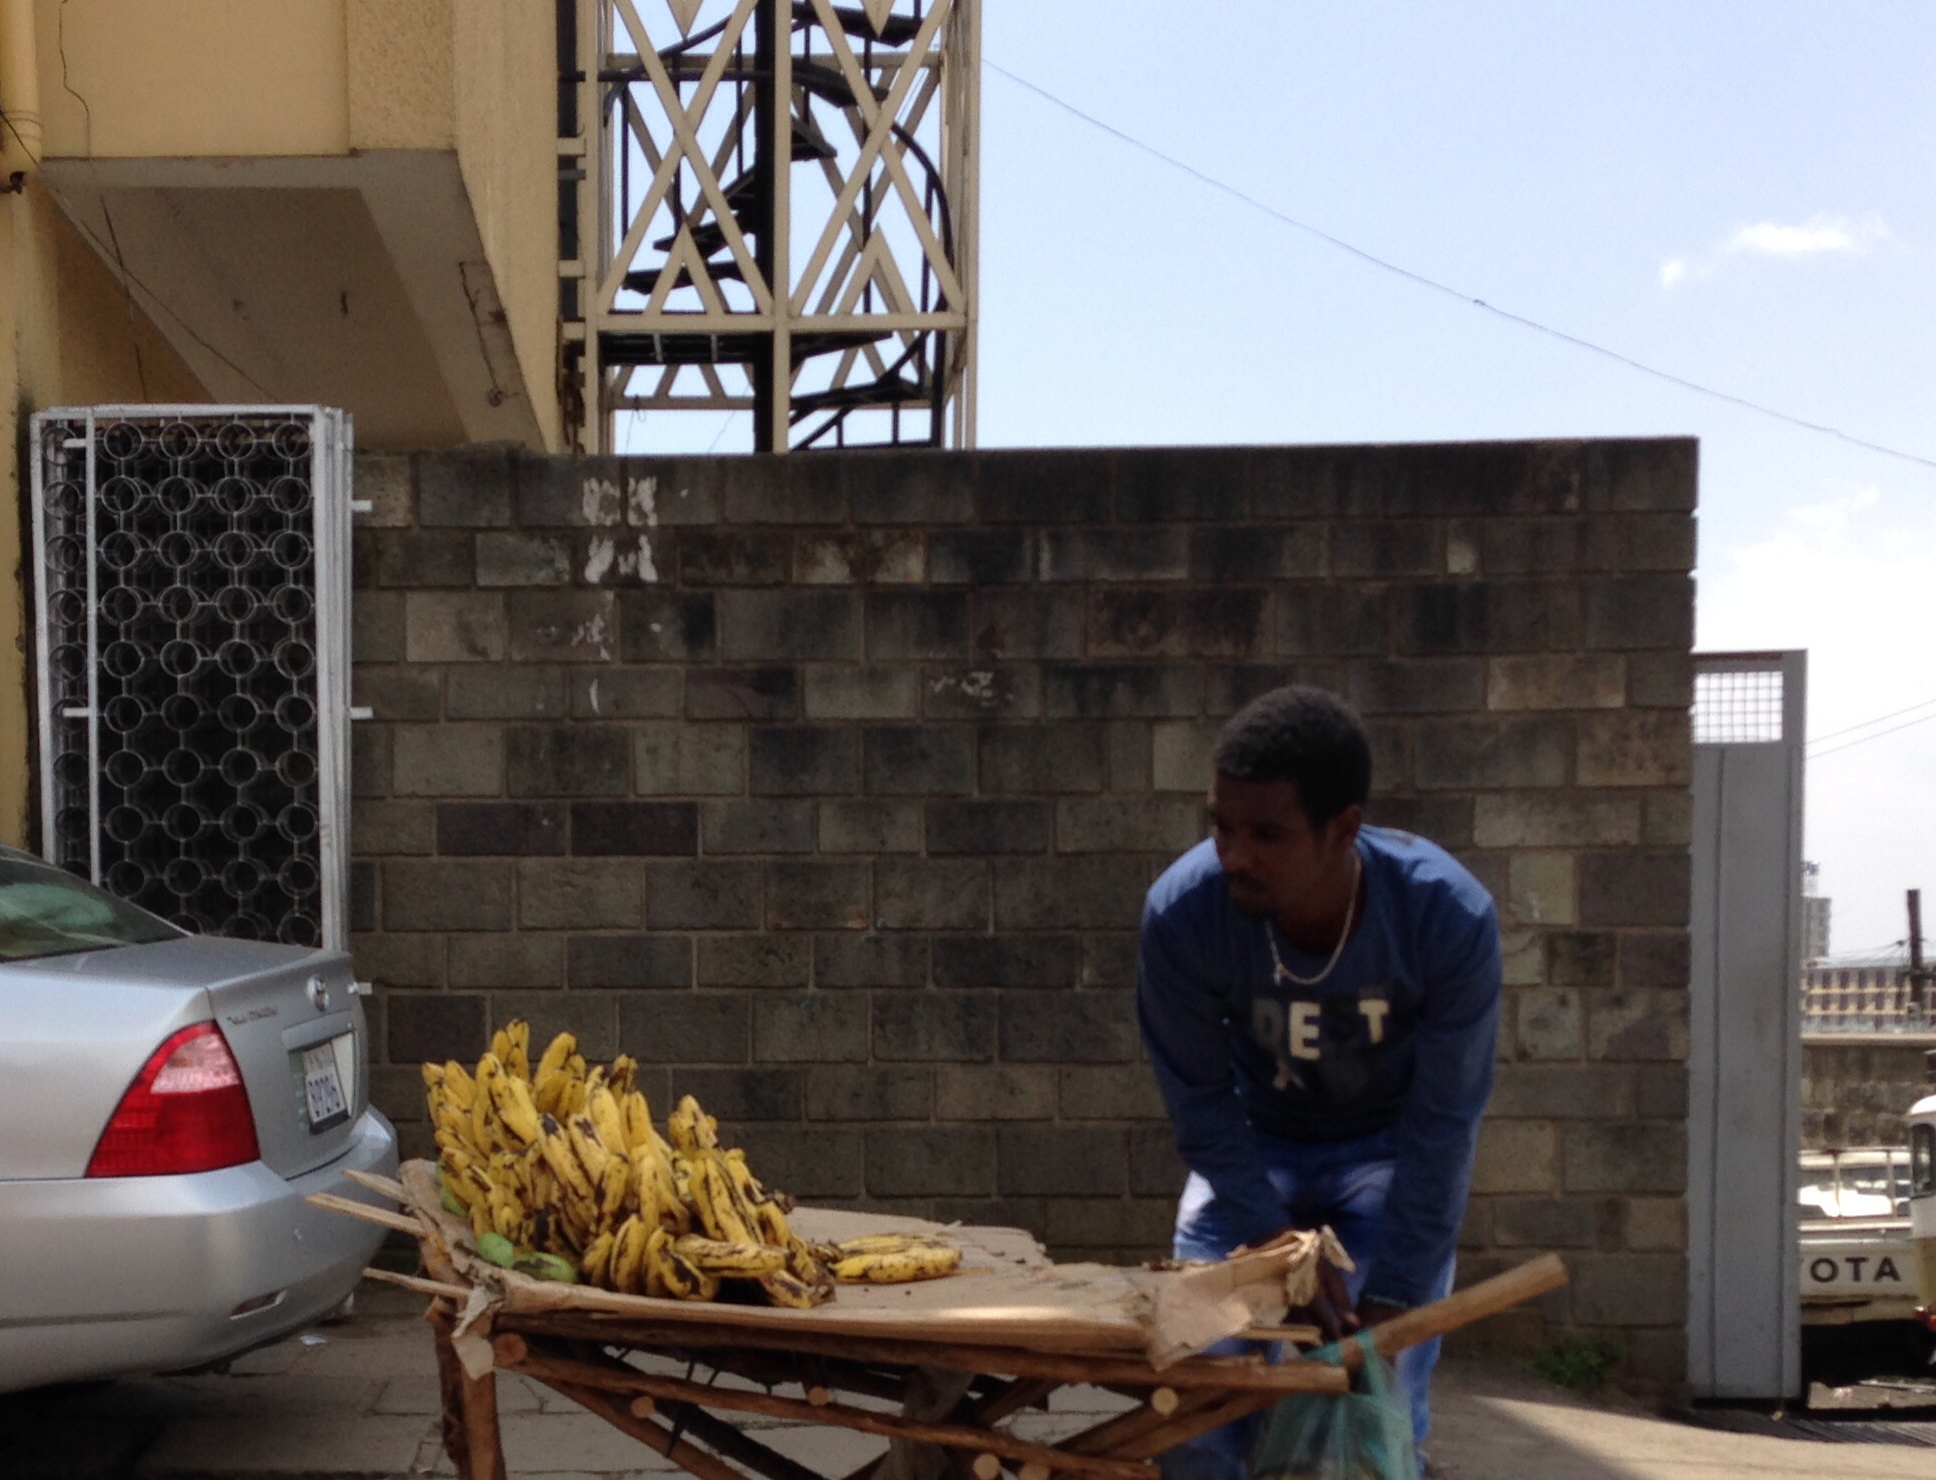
[(599, 558), (642, 502), (605, 556), (598, 501)]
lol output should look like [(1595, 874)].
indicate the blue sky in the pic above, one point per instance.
[(1741, 194)]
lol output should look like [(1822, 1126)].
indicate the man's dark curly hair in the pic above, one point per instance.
[(1303, 735)]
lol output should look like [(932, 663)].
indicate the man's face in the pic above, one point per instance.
[(1273, 859)]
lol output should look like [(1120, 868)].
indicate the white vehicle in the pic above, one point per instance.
[(1858, 1254)]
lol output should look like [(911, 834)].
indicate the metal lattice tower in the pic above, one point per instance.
[(770, 206)]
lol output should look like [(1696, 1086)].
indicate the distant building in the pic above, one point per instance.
[(1868, 993), (1815, 914)]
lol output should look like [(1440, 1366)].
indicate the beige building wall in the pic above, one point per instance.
[(409, 143)]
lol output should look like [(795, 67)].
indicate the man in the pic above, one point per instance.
[(1320, 1001)]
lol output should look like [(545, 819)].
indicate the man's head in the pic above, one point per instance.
[(1292, 771)]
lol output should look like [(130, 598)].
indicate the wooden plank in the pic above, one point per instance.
[(1010, 1398), (1235, 1374), (1474, 1303), (1111, 1434), (1183, 1427), (438, 1288), (555, 1370), (652, 1434), (350, 1207), (469, 1407)]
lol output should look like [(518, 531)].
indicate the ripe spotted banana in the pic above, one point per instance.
[(680, 1277), (518, 1060), (736, 1261), (788, 1290), (628, 1256), (559, 1156), (596, 1266), (602, 1110), (459, 1085), (623, 1076), (923, 1262), (588, 1146), (515, 1109)]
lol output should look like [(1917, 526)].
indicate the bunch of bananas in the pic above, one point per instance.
[(563, 1163)]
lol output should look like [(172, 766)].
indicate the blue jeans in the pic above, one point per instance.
[(1342, 1183)]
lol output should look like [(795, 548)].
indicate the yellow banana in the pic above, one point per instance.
[(738, 1261), (635, 1115), (459, 1085), (433, 1076), (880, 1243), (515, 1109), (589, 1146), (518, 1060), (683, 1280), (555, 1144), (556, 1053), (482, 1110), (713, 1199), (691, 1128), (628, 1256), (788, 1290), (596, 1266), (625, 1072), (612, 1188), (500, 1045), (925, 1262), (602, 1110)]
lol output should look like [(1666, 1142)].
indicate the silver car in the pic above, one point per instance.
[(166, 1103)]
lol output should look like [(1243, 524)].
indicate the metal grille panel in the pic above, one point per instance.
[(1738, 706), (193, 603)]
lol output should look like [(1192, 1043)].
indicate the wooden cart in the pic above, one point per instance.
[(956, 1362)]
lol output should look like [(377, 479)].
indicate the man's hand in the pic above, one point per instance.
[(1330, 1309)]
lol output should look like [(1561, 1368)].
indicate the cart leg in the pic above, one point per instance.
[(470, 1409)]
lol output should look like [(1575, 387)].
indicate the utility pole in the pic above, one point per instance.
[(1918, 973)]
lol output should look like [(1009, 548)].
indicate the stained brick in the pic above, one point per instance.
[(1637, 1023), (1562, 1092), (1015, 487), (408, 960), (764, 1093), (567, 760), (454, 627), (933, 1026), (1629, 1290), (689, 760), (870, 827), (1126, 825), (757, 827), (919, 760), (447, 760), (469, 487), (1635, 888), (767, 626), (859, 557), (1517, 1156), (591, 1016), (522, 560), (378, 627), (634, 828), (910, 488), (500, 828), (816, 896), (1108, 1092), (666, 627), (1009, 625), (984, 1092), (1154, 1167), (1580, 958), (735, 558), (1639, 747), (879, 692), (1550, 1023), (1056, 759), (1549, 819), (1331, 619), (515, 960), (1228, 687), (564, 626), (702, 896), (1050, 1160), (942, 894), (978, 557), (742, 693), (1068, 1027), (1386, 547), (580, 894), (786, 490), (984, 961), (500, 692), (626, 693), (916, 624), (1105, 554), (1223, 622), (1463, 754), (1651, 611), (1631, 1156), (868, 1092), (1175, 485), (870, 961), (1654, 960), (1104, 691), (987, 827), (385, 829), (1416, 686), (810, 1028), (1070, 893), (818, 1161), (398, 692), (432, 1027), (1546, 1222), (754, 960), (432, 894), (686, 1028), (1446, 820), (1250, 553), (574, 492), (939, 1161), (803, 761), (1180, 755)]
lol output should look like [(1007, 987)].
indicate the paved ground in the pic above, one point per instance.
[(358, 1401)]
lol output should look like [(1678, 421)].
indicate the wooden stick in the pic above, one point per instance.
[(649, 1432), (459, 1293), (1474, 1303), (384, 1186), (1299, 1335), (1186, 1426), (470, 1408), (1246, 1374), (1012, 1398), (726, 1440), (1107, 1436), (558, 1370), (402, 1222)]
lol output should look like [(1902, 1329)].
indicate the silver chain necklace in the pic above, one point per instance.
[(1283, 973)]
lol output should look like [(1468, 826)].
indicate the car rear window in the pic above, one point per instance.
[(44, 912)]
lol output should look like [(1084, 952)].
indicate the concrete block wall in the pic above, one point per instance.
[(830, 786), (1858, 1093)]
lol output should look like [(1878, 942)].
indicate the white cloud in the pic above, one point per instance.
[(1814, 237), (1819, 236), (1846, 579)]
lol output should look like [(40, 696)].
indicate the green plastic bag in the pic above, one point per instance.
[(1365, 1434)]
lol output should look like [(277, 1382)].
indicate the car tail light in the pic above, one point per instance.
[(185, 1112)]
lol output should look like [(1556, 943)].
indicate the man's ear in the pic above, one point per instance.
[(1342, 831)]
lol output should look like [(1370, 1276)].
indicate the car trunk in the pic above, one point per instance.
[(79, 1028)]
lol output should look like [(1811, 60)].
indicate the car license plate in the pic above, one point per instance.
[(325, 1102)]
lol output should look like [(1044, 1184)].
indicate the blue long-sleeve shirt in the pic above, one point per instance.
[(1400, 1036)]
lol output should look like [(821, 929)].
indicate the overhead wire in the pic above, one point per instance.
[(1851, 729), (1864, 740), (1385, 264)]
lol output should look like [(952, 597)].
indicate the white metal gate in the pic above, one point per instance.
[(191, 593), (1744, 1047)]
